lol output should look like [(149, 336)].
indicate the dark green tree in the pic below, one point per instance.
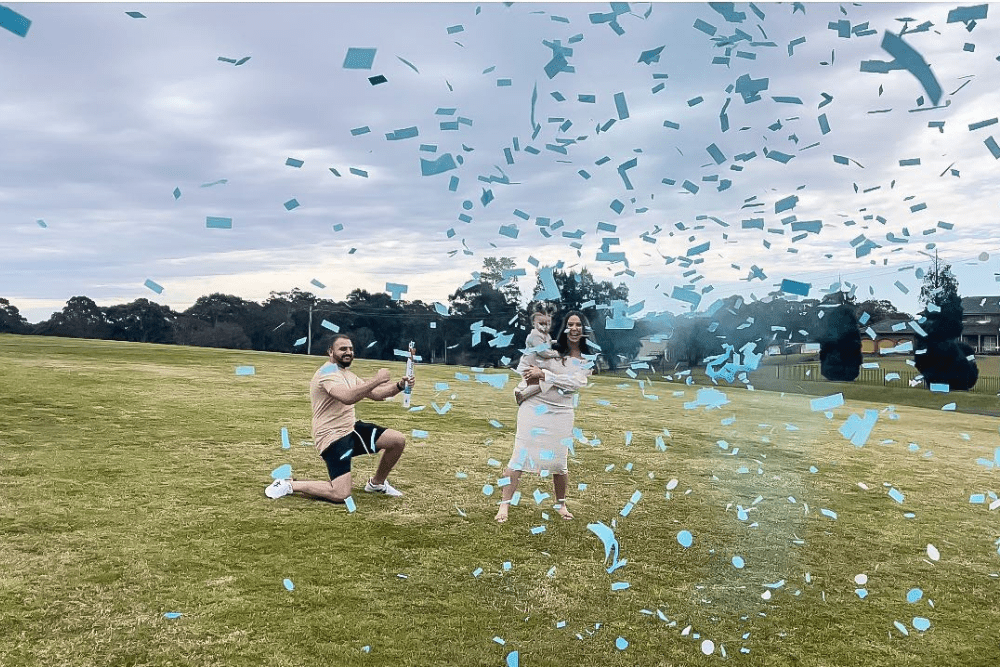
[(498, 273), (11, 320), (879, 309), (482, 302), (141, 321), (840, 345), (941, 356), (79, 318)]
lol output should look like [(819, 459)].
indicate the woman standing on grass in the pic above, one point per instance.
[(545, 419)]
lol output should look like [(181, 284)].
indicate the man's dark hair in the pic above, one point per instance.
[(332, 340)]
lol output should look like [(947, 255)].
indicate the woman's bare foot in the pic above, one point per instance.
[(501, 516), (564, 512)]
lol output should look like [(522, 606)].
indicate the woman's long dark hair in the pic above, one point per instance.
[(562, 342)]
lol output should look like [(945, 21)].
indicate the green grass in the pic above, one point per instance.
[(131, 481)]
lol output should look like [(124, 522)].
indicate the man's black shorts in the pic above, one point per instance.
[(359, 441)]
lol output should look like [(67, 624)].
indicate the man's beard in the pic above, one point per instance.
[(342, 363)]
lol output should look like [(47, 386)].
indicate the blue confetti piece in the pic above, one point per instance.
[(246, 370), (417, 433), (173, 614), (621, 643), (285, 444), (914, 595), (153, 286), (905, 57), (510, 231), (359, 58), (619, 586), (786, 204), (949, 407), (896, 495), (621, 106), (349, 504), (396, 290), (901, 628), (537, 529), (301, 341), (685, 539), (994, 149), (921, 624), (607, 537), (14, 22), (289, 586), (358, 131), (443, 163), (292, 162), (358, 172), (828, 513), (290, 204), (404, 133), (495, 380), (795, 287), (282, 472), (218, 223), (738, 562)]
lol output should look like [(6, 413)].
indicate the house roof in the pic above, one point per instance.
[(981, 305)]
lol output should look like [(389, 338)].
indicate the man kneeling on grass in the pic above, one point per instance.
[(339, 436)]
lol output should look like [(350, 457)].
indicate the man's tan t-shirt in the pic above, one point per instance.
[(331, 419)]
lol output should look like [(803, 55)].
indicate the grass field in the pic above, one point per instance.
[(131, 485)]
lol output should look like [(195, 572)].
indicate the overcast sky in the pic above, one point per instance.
[(104, 115)]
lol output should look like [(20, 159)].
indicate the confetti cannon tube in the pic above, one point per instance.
[(409, 372)]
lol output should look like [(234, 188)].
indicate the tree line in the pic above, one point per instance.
[(483, 322)]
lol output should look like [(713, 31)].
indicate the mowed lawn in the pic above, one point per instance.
[(131, 486)]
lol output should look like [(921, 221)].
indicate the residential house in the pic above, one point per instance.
[(981, 323)]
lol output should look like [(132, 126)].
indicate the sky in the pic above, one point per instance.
[(107, 118)]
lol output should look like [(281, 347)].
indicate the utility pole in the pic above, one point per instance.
[(309, 334)]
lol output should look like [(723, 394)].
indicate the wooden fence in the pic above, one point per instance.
[(875, 376)]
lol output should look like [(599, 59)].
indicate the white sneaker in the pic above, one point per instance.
[(278, 488), (385, 487)]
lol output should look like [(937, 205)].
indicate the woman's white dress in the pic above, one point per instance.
[(545, 420)]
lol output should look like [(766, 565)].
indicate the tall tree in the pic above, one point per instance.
[(287, 319), (11, 320), (943, 311), (483, 303), (879, 309), (691, 341), (79, 318), (141, 321), (941, 356), (840, 345), (498, 272)]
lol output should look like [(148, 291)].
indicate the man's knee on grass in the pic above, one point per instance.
[(340, 488)]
